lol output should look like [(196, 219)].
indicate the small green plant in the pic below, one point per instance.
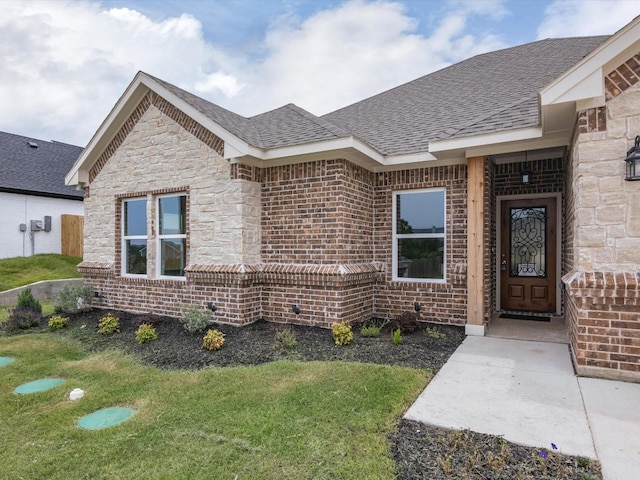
[(213, 340), (57, 322), (583, 462), (342, 333), (435, 333), (445, 465), (286, 338), (25, 299), (396, 336), (74, 299), (22, 318), (109, 324), (146, 334), (194, 319), (372, 328)]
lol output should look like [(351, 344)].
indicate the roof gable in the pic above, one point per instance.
[(36, 167)]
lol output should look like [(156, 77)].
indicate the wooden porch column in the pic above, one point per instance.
[(475, 246)]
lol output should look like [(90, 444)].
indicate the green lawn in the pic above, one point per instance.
[(19, 271), (284, 420)]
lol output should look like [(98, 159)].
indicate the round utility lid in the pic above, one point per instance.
[(6, 361), (38, 386), (107, 417)]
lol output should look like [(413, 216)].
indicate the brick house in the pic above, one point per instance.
[(496, 184)]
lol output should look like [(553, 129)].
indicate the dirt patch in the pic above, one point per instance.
[(420, 451)]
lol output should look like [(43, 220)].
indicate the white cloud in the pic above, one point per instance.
[(63, 65), (577, 18), (358, 49)]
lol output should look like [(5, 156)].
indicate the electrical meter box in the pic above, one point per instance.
[(36, 225)]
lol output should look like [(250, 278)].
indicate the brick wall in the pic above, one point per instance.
[(441, 302), (603, 234), (605, 333), (317, 212)]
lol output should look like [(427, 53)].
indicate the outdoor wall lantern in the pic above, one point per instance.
[(296, 309), (416, 306), (212, 306), (525, 175), (633, 161)]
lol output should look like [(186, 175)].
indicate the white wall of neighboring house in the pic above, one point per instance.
[(16, 209)]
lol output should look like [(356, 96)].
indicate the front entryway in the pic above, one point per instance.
[(528, 255)]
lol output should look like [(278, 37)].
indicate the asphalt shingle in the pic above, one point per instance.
[(37, 167), (486, 93)]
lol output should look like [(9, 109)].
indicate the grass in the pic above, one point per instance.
[(283, 420), (47, 309), (19, 271)]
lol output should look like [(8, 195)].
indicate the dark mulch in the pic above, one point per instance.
[(420, 451)]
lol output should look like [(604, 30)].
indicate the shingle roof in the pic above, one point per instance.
[(492, 92), (38, 167), (487, 93), (284, 126)]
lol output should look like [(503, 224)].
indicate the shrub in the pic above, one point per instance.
[(22, 318), (342, 333), (57, 322), (286, 338), (194, 319), (372, 327), (109, 324), (25, 299), (74, 299), (406, 322), (435, 333), (213, 340), (396, 337), (146, 334)]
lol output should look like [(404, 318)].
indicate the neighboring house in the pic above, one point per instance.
[(495, 184), (33, 194)]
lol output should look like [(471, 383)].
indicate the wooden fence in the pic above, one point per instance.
[(71, 235)]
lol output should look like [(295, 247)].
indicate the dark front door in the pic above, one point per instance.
[(528, 255)]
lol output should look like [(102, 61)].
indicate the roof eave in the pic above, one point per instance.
[(348, 147), (584, 80)]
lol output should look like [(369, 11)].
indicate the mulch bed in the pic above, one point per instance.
[(420, 451)]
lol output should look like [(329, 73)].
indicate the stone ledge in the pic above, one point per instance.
[(616, 283)]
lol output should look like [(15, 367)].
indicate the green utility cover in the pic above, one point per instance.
[(6, 361), (38, 386), (106, 417)]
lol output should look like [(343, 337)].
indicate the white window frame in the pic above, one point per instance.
[(124, 238), (160, 237), (397, 236)]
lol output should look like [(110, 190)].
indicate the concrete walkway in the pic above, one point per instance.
[(528, 393)]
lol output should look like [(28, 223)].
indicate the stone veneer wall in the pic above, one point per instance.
[(441, 302), (603, 287)]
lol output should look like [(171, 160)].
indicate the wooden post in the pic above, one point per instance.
[(475, 246)]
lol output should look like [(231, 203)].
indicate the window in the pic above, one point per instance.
[(134, 238), (419, 235), (172, 235)]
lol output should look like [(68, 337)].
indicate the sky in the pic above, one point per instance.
[(65, 64)]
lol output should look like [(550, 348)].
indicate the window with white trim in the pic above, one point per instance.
[(419, 233), (172, 235), (134, 236)]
